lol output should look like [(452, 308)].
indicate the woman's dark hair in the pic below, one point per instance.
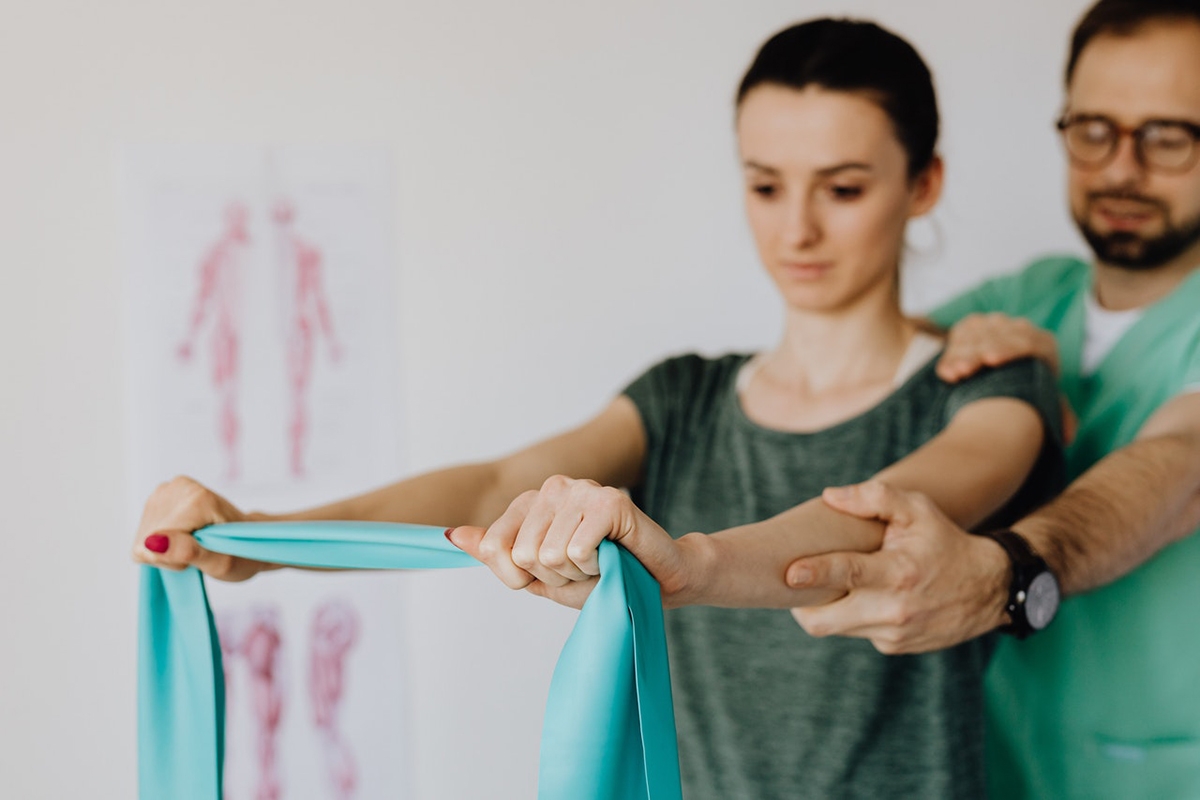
[(1123, 17), (847, 55)]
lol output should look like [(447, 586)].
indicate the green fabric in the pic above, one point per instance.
[(608, 732), (764, 710), (1106, 702)]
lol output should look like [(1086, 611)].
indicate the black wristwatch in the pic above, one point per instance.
[(1033, 594)]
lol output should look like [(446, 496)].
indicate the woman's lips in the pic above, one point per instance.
[(806, 270)]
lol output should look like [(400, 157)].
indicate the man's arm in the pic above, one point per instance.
[(1112, 519), (1128, 506)]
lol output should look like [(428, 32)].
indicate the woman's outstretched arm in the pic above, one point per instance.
[(608, 448), (547, 539)]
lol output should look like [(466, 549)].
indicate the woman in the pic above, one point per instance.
[(837, 126)]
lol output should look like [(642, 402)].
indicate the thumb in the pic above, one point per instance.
[(870, 500), (837, 572), (467, 538)]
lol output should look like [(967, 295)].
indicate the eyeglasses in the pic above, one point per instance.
[(1160, 144)]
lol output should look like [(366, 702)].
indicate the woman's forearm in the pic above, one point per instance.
[(744, 567)]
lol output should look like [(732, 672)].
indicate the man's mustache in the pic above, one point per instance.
[(1117, 194)]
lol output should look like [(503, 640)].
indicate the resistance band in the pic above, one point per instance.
[(609, 729)]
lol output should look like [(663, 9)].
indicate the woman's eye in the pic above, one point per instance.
[(763, 190), (845, 192)]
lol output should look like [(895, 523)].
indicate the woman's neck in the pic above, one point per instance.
[(834, 351)]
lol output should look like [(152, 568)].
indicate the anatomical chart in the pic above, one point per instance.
[(262, 361)]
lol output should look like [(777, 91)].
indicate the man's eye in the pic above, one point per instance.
[(1167, 138), (763, 190), (1095, 131), (845, 192)]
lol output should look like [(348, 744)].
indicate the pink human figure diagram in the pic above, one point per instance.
[(227, 634), (306, 312), (335, 629), (261, 648), (219, 298)]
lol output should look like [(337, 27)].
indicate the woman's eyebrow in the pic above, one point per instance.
[(754, 165), (824, 172)]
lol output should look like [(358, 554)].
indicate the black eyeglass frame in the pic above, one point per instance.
[(1138, 134)]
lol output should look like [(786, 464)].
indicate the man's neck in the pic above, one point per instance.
[(1120, 288)]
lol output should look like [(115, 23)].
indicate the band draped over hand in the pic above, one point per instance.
[(609, 729)]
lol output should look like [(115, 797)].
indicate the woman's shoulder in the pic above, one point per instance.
[(1027, 379), (695, 368), (687, 383)]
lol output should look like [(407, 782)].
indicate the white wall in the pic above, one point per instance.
[(569, 212)]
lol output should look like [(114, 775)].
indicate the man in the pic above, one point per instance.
[(1106, 702)]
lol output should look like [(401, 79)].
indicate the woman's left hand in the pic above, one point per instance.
[(547, 541)]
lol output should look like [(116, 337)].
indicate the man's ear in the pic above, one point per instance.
[(927, 188)]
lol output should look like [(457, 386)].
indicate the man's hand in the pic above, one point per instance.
[(930, 585), (989, 340), (978, 341)]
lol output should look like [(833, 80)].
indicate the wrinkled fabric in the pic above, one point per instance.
[(609, 729)]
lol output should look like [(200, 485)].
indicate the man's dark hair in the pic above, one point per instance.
[(854, 56), (1123, 17)]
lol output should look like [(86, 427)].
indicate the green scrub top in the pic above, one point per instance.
[(1105, 703)]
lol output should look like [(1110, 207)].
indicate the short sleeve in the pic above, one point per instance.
[(661, 394), (1032, 382), (1029, 380)]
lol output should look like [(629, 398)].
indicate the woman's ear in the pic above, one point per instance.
[(927, 188)]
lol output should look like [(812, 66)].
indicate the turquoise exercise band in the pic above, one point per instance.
[(609, 729)]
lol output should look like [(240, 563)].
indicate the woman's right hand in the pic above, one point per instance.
[(164, 536)]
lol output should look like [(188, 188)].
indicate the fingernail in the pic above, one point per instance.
[(837, 491), (800, 576), (450, 538), (157, 543)]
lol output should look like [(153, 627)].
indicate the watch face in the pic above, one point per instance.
[(1041, 600)]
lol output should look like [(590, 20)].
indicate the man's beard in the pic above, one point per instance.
[(1131, 250)]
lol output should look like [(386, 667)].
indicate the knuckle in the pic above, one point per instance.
[(854, 573), (551, 557), (556, 484), (908, 577), (524, 501), (489, 548), (578, 554), (898, 615), (524, 558)]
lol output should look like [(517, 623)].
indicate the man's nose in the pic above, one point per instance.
[(1126, 167)]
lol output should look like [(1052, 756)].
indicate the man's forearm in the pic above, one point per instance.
[(1119, 513)]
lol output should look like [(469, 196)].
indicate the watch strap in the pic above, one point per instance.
[(1026, 564)]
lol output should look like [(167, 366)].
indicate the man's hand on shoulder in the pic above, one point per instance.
[(989, 340)]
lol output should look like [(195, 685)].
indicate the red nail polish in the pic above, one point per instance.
[(157, 543), (448, 539)]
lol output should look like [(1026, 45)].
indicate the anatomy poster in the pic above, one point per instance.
[(262, 357)]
